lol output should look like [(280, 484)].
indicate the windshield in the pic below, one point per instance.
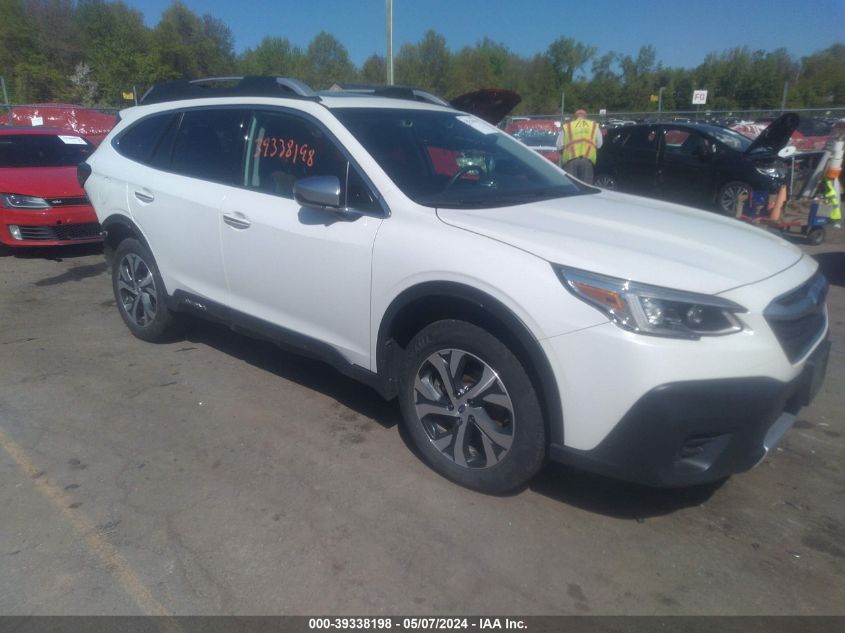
[(447, 159), (732, 139), (43, 150), (534, 137)]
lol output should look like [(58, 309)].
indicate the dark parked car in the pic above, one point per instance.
[(694, 163)]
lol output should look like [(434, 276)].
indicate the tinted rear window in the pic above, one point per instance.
[(641, 138), (210, 145), (43, 150), (140, 141)]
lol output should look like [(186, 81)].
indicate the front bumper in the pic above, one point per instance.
[(695, 432), (51, 227)]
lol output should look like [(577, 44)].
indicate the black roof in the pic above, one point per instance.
[(380, 90), (246, 86)]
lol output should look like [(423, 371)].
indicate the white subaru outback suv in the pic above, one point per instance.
[(517, 314)]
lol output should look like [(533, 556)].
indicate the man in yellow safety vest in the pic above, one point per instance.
[(579, 141)]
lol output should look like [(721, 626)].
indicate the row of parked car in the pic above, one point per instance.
[(427, 254), (705, 164), (700, 164)]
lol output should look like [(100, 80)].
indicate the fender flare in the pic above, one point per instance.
[(528, 347), (125, 223)]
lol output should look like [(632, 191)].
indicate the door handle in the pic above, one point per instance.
[(236, 221), (144, 197)]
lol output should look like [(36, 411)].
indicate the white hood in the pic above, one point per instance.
[(636, 238)]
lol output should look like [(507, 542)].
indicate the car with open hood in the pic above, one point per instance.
[(540, 134), (694, 163), (516, 314), (41, 201)]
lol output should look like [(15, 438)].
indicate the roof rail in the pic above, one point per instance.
[(393, 92), (247, 86)]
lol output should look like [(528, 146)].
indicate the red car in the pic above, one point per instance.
[(92, 124), (41, 201), (539, 134)]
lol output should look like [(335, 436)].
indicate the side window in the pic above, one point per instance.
[(687, 143), (210, 145), (617, 138), (642, 139), (163, 151), (283, 148), (359, 195), (141, 139)]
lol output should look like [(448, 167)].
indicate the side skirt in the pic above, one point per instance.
[(286, 339)]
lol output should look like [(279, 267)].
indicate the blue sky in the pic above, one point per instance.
[(682, 31)]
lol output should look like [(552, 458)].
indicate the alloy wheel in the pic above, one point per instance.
[(464, 408), (137, 290), (729, 198), (605, 181)]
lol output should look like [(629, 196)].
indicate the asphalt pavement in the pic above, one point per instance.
[(220, 475)]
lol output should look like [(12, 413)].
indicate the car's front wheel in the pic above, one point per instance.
[(470, 408), (730, 195), (139, 293), (605, 181)]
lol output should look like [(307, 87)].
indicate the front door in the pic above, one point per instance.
[(305, 270)]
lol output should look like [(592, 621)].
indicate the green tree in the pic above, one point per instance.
[(59, 39), (821, 78), (569, 56), (118, 48), (17, 36), (374, 70), (486, 65), (537, 84), (434, 59), (217, 46), (188, 46), (273, 56), (326, 61)]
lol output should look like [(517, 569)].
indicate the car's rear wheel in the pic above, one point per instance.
[(605, 181), (139, 293), (729, 196), (470, 408), (816, 236)]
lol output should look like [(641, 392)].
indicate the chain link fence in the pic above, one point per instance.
[(697, 115)]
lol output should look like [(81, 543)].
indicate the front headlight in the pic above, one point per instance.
[(771, 171), (651, 309), (15, 201)]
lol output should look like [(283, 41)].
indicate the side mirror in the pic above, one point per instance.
[(323, 193)]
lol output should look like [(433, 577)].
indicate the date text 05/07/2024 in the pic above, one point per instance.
[(411, 623)]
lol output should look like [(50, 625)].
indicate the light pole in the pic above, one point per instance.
[(389, 42)]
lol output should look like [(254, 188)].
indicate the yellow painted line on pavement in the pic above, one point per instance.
[(113, 560)]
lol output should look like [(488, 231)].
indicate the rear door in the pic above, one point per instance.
[(636, 162), (176, 198), (686, 166)]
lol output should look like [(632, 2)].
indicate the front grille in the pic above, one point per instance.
[(58, 232), (798, 318), (68, 202)]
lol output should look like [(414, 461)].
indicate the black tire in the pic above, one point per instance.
[(605, 181), (816, 236), (495, 461), (727, 197), (140, 295)]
